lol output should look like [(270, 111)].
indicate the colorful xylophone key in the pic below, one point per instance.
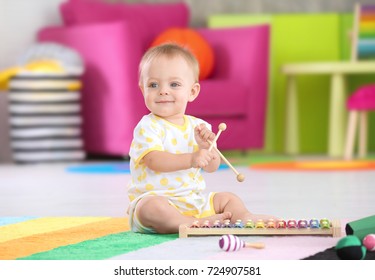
[(269, 224)]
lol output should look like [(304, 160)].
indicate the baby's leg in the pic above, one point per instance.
[(156, 212), (229, 202)]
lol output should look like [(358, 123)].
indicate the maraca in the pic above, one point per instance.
[(229, 242)]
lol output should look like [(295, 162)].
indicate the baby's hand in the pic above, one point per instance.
[(202, 134), (202, 158)]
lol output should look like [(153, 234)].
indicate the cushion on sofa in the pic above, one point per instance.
[(148, 19), (220, 98)]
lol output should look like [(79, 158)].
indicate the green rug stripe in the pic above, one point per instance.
[(104, 247)]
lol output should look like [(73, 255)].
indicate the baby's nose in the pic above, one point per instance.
[(163, 91)]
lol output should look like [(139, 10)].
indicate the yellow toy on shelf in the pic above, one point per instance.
[(44, 96)]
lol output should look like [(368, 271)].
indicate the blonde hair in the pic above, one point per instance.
[(170, 50)]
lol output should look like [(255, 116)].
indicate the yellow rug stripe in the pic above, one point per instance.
[(41, 242), (43, 225)]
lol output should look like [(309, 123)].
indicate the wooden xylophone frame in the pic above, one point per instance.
[(188, 231)]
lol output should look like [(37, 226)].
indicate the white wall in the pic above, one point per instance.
[(19, 22)]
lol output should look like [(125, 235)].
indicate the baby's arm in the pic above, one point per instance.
[(162, 161)]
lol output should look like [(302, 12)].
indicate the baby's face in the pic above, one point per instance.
[(168, 85)]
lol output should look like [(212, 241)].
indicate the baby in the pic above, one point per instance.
[(168, 147)]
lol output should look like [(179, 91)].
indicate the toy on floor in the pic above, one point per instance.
[(361, 227), (350, 248), (369, 242), (279, 227), (229, 242), (222, 127)]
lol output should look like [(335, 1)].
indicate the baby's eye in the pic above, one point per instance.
[(153, 85), (175, 84)]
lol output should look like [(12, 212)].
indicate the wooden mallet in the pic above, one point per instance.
[(221, 127), (240, 177)]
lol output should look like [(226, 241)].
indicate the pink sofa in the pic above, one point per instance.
[(111, 39)]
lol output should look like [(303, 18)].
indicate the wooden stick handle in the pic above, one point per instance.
[(212, 144), (240, 177), (222, 127), (255, 245), (225, 160)]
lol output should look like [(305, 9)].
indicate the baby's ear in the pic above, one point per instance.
[(141, 88), (194, 92)]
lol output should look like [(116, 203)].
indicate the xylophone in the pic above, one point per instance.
[(279, 227)]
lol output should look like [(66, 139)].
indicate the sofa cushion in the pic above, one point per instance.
[(147, 19), (195, 42), (218, 99)]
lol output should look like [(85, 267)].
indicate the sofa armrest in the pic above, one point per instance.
[(110, 95)]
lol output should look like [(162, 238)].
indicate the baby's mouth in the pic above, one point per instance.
[(164, 101)]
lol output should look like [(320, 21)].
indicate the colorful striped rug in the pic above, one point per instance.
[(71, 238)]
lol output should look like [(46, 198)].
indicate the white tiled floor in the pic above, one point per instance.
[(49, 190)]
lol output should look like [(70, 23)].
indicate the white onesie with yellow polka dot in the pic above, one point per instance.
[(183, 191)]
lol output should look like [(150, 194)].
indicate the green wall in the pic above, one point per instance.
[(302, 38)]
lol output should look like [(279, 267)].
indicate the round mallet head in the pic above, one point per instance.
[(229, 242), (240, 177), (222, 126), (350, 248), (369, 242)]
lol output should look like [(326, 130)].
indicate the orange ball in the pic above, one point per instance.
[(192, 40)]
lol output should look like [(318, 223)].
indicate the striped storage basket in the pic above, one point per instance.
[(45, 118)]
